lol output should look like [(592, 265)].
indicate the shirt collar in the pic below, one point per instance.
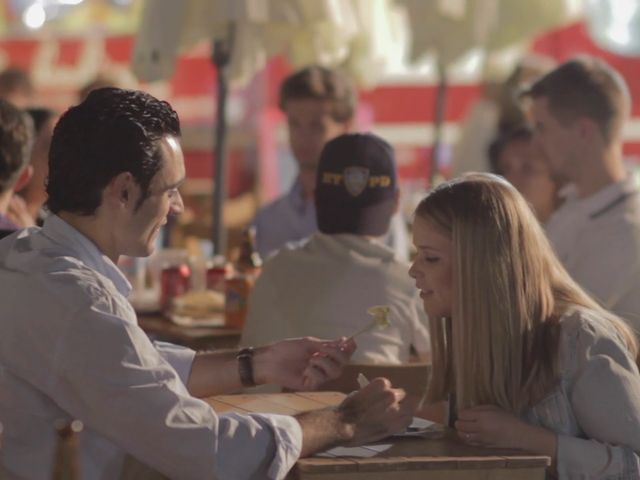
[(296, 196), (64, 234), (365, 246), (603, 199)]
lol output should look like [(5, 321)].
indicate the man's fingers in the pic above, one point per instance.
[(313, 377), (335, 351), (327, 365), (378, 410), (397, 422), (381, 399), (319, 370)]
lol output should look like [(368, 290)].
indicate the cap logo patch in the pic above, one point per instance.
[(355, 180)]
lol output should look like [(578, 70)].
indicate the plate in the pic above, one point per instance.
[(209, 321)]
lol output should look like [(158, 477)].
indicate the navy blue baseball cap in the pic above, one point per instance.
[(356, 185)]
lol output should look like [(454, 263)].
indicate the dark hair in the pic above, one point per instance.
[(319, 83), (40, 116), (16, 135), (502, 141), (589, 87), (111, 132), (14, 80)]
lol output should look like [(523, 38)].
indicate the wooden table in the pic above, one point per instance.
[(198, 338), (443, 458)]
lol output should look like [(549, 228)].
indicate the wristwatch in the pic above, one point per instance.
[(245, 367)]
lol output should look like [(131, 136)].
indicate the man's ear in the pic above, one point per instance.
[(24, 178), (587, 128), (122, 190)]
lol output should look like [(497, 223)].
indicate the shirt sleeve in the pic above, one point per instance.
[(180, 358), (605, 399), (111, 377)]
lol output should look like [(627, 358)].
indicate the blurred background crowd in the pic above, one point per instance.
[(438, 80)]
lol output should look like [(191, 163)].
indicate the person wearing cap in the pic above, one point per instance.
[(319, 104), (325, 285)]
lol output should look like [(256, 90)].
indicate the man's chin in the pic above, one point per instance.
[(141, 252)]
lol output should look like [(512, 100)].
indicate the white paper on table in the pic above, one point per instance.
[(419, 428), (364, 451)]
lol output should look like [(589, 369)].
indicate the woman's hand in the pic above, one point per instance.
[(491, 426)]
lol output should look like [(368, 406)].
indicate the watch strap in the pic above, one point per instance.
[(245, 367)]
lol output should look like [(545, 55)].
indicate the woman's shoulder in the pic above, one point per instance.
[(586, 333), (578, 320)]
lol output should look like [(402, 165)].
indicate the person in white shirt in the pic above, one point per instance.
[(70, 346), (522, 355), (325, 286), (319, 104), (579, 111)]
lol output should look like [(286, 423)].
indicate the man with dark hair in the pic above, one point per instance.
[(70, 346), (518, 159), (344, 268), (15, 147), (319, 104), (16, 87), (579, 111)]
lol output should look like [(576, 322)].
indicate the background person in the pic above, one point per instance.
[(16, 87), (16, 138), (324, 286), (579, 111), (319, 104), (34, 191), (517, 158), (525, 357)]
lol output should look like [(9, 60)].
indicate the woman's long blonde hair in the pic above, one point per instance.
[(509, 292)]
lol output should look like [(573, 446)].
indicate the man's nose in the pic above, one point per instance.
[(177, 206)]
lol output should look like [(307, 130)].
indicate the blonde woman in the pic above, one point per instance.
[(525, 357)]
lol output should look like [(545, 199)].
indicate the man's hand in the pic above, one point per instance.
[(302, 363), (369, 414), (374, 412)]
